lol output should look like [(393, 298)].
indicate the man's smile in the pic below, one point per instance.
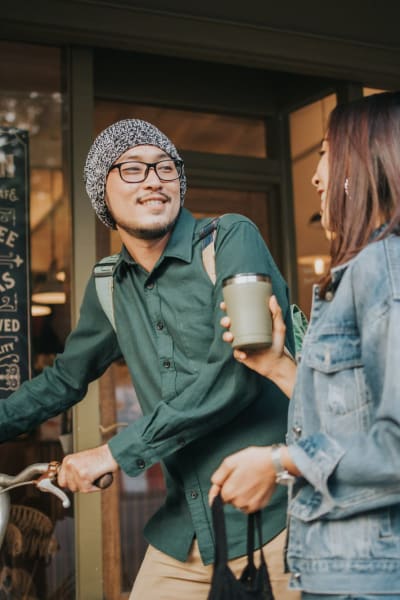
[(153, 200)]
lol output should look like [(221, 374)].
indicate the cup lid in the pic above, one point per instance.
[(245, 278)]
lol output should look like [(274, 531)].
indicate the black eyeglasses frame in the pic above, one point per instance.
[(178, 164)]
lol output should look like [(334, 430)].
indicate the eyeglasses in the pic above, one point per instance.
[(136, 171)]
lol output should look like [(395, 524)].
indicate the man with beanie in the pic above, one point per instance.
[(199, 404)]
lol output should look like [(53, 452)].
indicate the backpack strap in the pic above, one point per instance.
[(207, 235), (104, 280)]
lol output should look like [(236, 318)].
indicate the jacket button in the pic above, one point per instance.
[(149, 286), (194, 494), (181, 441), (329, 296), (297, 576), (297, 430), (160, 325), (166, 364), (140, 463)]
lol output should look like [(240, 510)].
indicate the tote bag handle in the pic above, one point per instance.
[(254, 581)]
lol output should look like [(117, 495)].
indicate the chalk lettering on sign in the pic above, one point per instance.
[(8, 236), (9, 325), (10, 374), (7, 281), (15, 332), (11, 260), (9, 194), (8, 303), (6, 347), (8, 215), (7, 165)]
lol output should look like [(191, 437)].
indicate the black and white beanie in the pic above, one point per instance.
[(109, 145)]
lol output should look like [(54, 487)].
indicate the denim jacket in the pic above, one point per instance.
[(344, 432)]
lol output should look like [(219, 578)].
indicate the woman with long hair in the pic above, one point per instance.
[(342, 458)]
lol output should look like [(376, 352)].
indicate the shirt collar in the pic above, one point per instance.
[(337, 272), (180, 243)]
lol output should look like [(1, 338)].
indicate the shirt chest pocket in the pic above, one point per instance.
[(340, 388)]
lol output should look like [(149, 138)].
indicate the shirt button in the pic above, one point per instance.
[(149, 286), (140, 463), (166, 364), (329, 296), (297, 576), (194, 494), (160, 325)]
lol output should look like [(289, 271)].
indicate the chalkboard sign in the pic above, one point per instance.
[(15, 343)]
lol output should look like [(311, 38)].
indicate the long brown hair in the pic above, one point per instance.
[(364, 173)]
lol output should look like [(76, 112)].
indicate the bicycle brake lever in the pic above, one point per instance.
[(45, 483)]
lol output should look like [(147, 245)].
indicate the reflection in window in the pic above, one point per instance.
[(369, 91), (192, 130), (31, 99)]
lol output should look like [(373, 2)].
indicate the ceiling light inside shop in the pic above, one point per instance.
[(40, 310)]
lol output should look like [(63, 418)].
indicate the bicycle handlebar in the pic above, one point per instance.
[(43, 476), (24, 476), (45, 482)]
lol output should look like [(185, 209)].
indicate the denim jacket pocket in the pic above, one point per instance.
[(332, 351), (342, 394)]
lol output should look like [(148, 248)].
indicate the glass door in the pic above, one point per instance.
[(210, 145)]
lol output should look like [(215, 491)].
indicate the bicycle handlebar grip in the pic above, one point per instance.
[(104, 481)]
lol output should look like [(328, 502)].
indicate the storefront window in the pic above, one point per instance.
[(193, 130), (31, 99)]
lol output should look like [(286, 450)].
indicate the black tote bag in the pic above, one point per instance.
[(254, 583)]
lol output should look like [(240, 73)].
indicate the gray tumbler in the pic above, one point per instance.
[(246, 296)]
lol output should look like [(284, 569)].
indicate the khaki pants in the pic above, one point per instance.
[(163, 578)]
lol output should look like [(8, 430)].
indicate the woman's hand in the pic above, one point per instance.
[(245, 479), (270, 362), (262, 360)]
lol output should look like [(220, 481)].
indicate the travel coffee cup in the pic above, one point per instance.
[(246, 296)]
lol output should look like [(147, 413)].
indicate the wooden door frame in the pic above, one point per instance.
[(87, 507)]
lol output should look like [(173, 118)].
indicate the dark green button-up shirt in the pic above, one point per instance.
[(199, 404)]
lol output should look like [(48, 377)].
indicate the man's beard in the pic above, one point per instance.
[(155, 233)]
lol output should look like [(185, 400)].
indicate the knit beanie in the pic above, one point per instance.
[(109, 145)]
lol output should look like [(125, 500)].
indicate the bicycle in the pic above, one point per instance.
[(42, 475), (33, 525)]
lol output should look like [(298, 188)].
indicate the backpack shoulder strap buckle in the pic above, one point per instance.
[(104, 280)]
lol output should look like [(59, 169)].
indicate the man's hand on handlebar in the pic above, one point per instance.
[(84, 471)]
